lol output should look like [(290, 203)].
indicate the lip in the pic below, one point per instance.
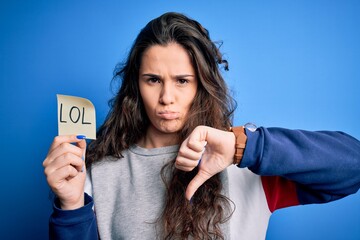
[(168, 115)]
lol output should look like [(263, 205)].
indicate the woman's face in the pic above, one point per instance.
[(168, 85)]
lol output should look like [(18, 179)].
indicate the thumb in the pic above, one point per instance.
[(200, 178), (82, 145)]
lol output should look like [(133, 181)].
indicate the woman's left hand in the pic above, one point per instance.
[(209, 148)]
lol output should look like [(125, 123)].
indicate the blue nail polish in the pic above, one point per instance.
[(80, 136)]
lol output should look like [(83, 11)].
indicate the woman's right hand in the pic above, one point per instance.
[(65, 170)]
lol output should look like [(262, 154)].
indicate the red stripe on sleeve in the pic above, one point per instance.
[(279, 192)]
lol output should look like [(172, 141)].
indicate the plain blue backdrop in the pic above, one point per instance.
[(293, 64)]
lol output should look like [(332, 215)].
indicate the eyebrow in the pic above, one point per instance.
[(158, 76)]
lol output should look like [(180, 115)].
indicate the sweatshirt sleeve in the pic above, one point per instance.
[(303, 167), (73, 224)]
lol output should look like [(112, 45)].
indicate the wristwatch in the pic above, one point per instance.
[(240, 143)]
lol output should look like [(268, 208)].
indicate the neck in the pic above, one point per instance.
[(155, 139)]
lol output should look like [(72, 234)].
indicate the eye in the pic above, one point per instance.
[(153, 80), (182, 81)]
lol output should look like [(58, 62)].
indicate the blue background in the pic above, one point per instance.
[(293, 64)]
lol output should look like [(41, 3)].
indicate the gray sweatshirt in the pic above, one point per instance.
[(129, 194)]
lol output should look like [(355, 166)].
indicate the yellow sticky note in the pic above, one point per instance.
[(76, 115)]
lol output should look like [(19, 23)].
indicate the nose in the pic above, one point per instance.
[(167, 94)]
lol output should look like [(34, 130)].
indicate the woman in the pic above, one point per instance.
[(162, 165)]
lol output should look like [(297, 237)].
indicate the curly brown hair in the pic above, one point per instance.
[(212, 106)]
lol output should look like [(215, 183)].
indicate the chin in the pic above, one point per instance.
[(170, 128)]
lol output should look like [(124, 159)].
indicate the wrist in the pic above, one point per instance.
[(240, 143), (64, 205)]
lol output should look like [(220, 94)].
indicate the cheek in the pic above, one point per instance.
[(148, 99), (191, 98), (187, 102)]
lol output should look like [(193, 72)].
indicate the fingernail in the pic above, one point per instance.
[(80, 136)]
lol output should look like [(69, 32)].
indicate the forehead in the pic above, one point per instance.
[(171, 57)]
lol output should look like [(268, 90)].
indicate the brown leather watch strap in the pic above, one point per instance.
[(240, 143)]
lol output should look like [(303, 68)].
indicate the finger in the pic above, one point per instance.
[(185, 165), (185, 161), (188, 159), (58, 140), (192, 150), (189, 154), (63, 160), (62, 144), (200, 178), (184, 168), (62, 149), (61, 175), (195, 144), (82, 145)]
